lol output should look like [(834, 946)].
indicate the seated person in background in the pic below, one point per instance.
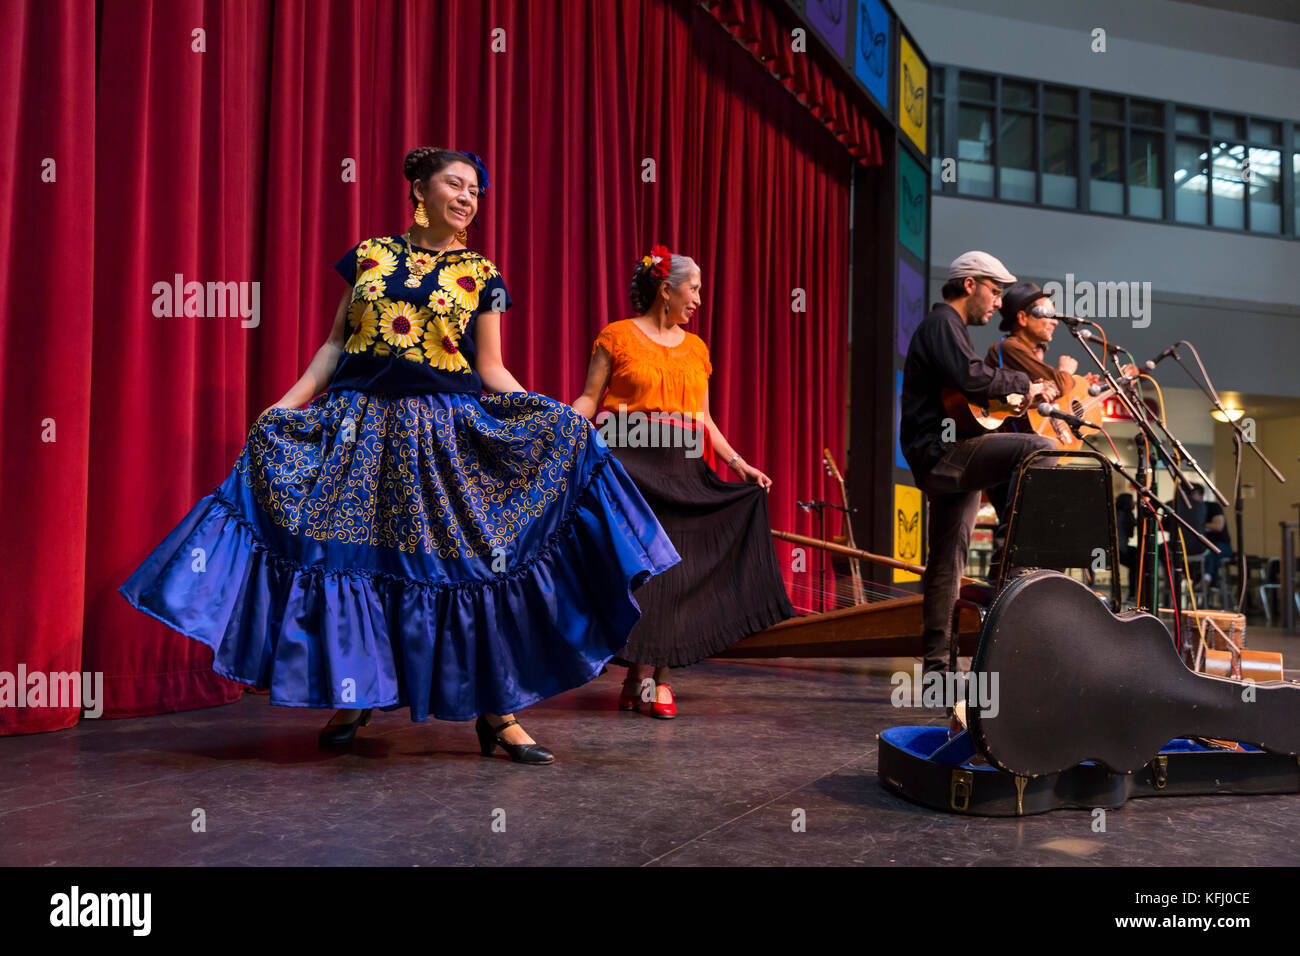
[(1194, 515), (1216, 529), (1126, 530)]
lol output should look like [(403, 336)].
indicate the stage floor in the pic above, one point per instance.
[(756, 742)]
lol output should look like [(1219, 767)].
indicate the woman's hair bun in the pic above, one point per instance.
[(415, 159), (645, 286)]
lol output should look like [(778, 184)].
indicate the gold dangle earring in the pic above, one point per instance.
[(421, 217), (463, 236)]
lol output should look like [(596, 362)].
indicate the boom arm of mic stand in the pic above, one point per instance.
[(1142, 419), (1214, 400), (1155, 503), (1185, 454)]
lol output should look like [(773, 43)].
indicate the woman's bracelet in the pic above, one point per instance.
[(732, 460)]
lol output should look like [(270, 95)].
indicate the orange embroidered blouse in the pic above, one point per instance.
[(649, 377)]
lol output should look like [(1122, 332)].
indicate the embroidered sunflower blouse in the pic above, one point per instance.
[(649, 377), (410, 327)]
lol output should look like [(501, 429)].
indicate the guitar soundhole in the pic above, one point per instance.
[(1076, 408)]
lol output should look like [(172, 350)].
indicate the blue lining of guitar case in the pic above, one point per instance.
[(932, 743)]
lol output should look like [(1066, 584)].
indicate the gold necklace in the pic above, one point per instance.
[(417, 268)]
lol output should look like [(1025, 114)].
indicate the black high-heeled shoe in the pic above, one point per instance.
[(489, 738), (339, 735)]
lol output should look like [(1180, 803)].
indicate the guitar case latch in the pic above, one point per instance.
[(1160, 772), (963, 782)]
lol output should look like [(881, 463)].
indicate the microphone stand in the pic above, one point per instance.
[(1141, 417), (1238, 439), (1146, 496), (820, 507), (1147, 587)]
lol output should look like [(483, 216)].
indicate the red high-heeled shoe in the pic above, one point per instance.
[(667, 710), (630, 701)]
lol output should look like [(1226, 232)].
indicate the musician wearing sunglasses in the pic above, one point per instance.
[(1028, 336), (950, 469)]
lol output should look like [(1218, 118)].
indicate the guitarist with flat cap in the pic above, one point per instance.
[(951, 469)]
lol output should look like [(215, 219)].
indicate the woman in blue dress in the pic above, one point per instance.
[(404, 540)]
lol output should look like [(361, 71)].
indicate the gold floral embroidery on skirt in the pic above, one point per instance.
[(391, 471)]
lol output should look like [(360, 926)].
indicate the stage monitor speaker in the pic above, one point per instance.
[(1063, 517)]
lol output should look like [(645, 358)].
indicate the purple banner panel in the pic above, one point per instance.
[(911, 304), (831, 18)]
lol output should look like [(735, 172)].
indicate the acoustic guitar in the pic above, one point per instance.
[(974, 419), (1078, 403), (855, 570)]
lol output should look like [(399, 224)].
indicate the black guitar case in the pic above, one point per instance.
[(1092, 708), (923, 765)]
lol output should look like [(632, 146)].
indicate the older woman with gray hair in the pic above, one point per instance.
[(649, 378)]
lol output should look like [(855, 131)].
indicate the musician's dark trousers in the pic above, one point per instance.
[(953, 487)]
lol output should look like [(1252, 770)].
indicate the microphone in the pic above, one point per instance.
[(1088, 335), (1048, 410), (1150, 365), (1124, 381), (1043, 312)]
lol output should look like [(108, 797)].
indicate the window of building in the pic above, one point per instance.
[(1106, 168), (1295, 188), (975, 115), (1017, 150), (1060, 172), (1191, 180), (1227, 165), (1146, 181), (1024, 141), (1264, 171)]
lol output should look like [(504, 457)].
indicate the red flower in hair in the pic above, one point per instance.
[(662, 259)]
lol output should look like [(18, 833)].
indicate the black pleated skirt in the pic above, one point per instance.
[(728, 584)]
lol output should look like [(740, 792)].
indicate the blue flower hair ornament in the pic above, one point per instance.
[(480, 167)]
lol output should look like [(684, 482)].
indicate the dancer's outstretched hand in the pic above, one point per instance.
[(752, 474)]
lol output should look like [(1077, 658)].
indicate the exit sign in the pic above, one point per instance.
[(1113, 410)]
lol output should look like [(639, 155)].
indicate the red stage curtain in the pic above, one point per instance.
[(764, 29), (47, 258), (221, 156)]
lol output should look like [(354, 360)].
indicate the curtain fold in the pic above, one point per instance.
[(47, 259), (258, 150)]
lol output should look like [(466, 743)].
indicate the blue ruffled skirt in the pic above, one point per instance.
[(453, 554)]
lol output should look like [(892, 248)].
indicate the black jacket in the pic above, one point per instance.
[(941, 356)]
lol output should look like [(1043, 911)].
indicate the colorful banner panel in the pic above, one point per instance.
[(907, 530), (899, 460), (871, 61), (830, 18), (913, 81), (911, 205), (911, 304)]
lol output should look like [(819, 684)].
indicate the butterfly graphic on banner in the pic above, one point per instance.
[(833, 9), (913, 98), (912, 209), (909, 535), (911, 304), (909, 317), (871, 44)]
